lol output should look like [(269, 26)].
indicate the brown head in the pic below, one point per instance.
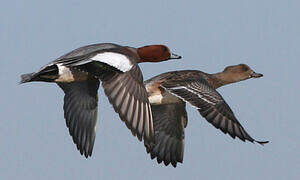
[(156, 53), (241, 72), (232, 74)]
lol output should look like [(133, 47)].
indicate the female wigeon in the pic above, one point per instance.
[(168, 94), (78, 74)]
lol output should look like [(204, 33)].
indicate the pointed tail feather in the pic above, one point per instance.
[(27, 78), (46, 74)]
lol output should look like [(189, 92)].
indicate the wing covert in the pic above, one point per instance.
[(210, 104)]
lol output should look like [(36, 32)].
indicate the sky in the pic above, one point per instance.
[(210, 35)]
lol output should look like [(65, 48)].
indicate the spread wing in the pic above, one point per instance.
[(210, 104), (114, 59), (129, 98), (169, 121), (85, 51), (122, 81), (80, 111)]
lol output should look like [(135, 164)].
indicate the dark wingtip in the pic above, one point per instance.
[(139, 137), (85, 153), (262, 142), (174, 164), (149, 146)]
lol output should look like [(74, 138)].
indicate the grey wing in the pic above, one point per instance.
[(125, 91), (80, 111), (129, 98), (169, 121), (81, 56), (85, 51), (211, 106)]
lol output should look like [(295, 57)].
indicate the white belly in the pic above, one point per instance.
[(65, 75), (155, 99)]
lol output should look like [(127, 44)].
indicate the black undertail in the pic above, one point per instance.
[(47, 74)]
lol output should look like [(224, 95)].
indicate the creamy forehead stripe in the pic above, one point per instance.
[(116, 60)]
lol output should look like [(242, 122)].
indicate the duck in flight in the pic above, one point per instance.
[(79, 72), (168, 94)]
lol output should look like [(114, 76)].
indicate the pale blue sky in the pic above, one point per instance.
[(35, 143)]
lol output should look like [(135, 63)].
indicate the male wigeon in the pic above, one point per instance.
[(168, 94), (78, 74)]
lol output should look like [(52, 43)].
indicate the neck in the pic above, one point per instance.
[(220, 79)]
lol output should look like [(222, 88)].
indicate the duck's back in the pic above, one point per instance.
[(88, 50), (172, 76)]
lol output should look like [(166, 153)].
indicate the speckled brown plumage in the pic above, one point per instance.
[(198, 89)]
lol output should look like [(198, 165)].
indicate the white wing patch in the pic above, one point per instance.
[(116, 60)]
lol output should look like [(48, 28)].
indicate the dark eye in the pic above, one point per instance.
[(164, 48)]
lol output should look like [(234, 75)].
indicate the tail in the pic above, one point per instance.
[(46, 74), (27, 78)]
